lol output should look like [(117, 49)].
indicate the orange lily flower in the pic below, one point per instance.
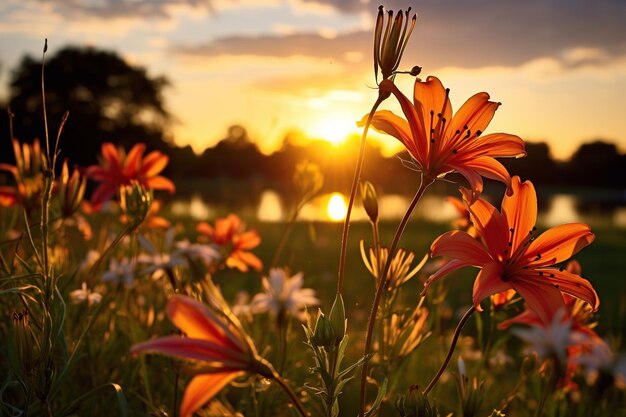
[(511, 258), (234, 242), (440, 143), (216, 342), (27, 172), (117, 168)]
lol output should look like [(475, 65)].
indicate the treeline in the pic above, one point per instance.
[(109, 100)]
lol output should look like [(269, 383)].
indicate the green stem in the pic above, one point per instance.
[(455, 338), (292, 395), (355, 182), (425, 182)]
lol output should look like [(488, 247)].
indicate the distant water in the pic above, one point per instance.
[(271, 207)]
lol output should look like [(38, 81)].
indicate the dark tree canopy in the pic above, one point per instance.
[(107, 99)]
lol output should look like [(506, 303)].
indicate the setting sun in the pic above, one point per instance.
[(336, 208), (334, 129)]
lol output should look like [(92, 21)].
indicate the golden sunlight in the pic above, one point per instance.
[(334, 129), (336, 209)]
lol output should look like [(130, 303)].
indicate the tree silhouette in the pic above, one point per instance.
[(107, 100), (598, 163)]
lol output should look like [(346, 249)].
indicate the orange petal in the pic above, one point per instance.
[(502, 298), (202, 388), (132, 163), (488, 282), (527, 317), (520, 210), (487, 167), (204, 228), (160, 183), (195, 349), (559, 244), (474, 115), (540, 296), (430, 98), (459, 245), (197, 321), (414, 119), (573, 284), (154, 163), (248, 258), (387, 122), (498, 145), (491, 226), (473, 178), (449, 267), (234, 261), (111, 155), (247, 240)]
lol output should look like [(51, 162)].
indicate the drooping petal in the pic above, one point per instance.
[(160, 183), (491, 226), (199, 322), (487, 167), (573, 284), (222, 357), (248, 258), (449, 267), (488, 282), (558, 244), (540, 296), (459, 245), (474, 180), (202, 388), (8, 197), (520, 210), (527, 317)]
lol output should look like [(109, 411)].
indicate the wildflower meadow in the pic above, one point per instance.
[(112, 304)]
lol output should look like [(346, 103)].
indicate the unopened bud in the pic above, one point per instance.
[(72, 190), (135, 201), (308, 179), (324, 335), (370, 200), (338, 318), (23, 340), (414, 404)]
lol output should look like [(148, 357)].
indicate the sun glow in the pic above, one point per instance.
[(336, 208), (334, 129)]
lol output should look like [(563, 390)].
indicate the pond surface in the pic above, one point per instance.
[(271, 207)]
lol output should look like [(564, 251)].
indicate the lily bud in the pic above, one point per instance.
[(370, 200), (390, 45), (135, 201), (324, 334), (414, 404), (72, 190), (338, 318)]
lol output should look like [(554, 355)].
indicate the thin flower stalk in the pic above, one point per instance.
[(382, 284), (388, 51)]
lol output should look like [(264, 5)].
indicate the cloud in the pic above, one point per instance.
[(456, 33), (110, 9)]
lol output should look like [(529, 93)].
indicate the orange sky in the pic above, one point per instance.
[(558, 67)]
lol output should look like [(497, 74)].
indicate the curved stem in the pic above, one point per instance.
[(355, 181), (382, 284), (292, 395), (457, 333), (283, 237)]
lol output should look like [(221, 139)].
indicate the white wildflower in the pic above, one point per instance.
[(284, 294), (85, 294), (120, 272)]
